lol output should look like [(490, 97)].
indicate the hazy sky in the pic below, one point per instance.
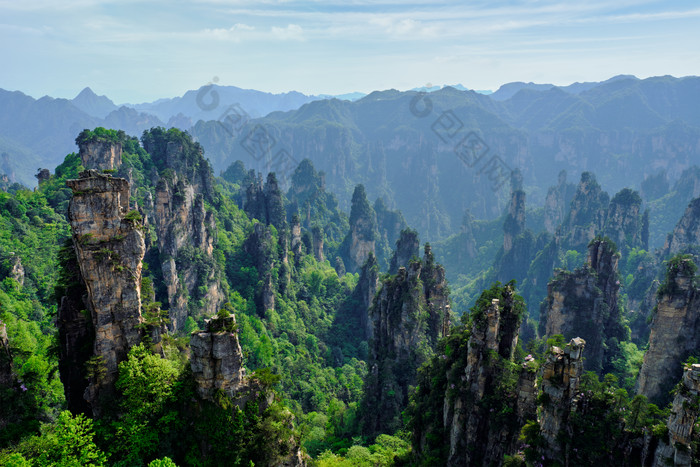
[(136, 51)]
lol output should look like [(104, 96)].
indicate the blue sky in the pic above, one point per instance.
[(135, 51)]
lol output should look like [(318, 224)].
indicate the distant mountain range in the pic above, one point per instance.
[(623, 128), (433, 156), (510, 89)]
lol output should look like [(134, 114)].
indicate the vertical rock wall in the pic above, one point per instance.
[(216, 359), (109, 246), (584, 303), (675, 333), (407, 317), (561, 375)]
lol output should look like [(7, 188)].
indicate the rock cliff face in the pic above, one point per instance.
[(109, 247), (587, 213), (624, 224), (360, 241), (561, 374), (686, 233), (407, 317), (16, 269), (216, 359), (264, 202), (519, 244), (104, 155), (260, 247), (515, 220), (557, 203), (407, 247), (183, 184), (584, 303), (317, 242), (364, 292), (476, 435), (675, 332), (682, 432), (185, 228)]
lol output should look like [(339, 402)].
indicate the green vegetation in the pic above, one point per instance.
[(309, 348), (100, 135)]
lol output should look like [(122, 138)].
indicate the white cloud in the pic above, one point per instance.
[(235, 33), (293, 32)]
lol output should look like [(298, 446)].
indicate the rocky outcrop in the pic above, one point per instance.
[(682, 432), (264, 202), (515, 219), (561, 375), (675, 331), (587, 213), (109, 246), (216, 358), (476, 434), (514, 258), (185, 230), (43, 176), (99, 154), (584, 303), (624, 224), (557, 202), (407, 317), (365, 290), (360, 241), (407, 247), (260, 247), (686, 233), (468, 242), (16, 269)]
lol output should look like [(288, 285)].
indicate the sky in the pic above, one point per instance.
[(139, 51)]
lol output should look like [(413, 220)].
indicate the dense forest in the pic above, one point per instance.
[(152, 313)]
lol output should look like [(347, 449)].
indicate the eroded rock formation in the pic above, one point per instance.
[(515, 220), (584, 303), (407, 247), (109, 246), (264, 202), (364, 292), (216, 358), (476, 435), (675, 332), (686, 233), (682, 432), (317, 242), (557, 203), (360, 241), (99, 154), (561, 375), (407, 317), (624, 221), (185, 230), (587, 213), (260, 246)]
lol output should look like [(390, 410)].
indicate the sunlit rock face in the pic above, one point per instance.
[(109, 246)]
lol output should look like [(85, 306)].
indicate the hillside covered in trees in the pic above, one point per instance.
[(152, 313)]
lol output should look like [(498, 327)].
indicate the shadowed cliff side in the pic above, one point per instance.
[(407, 317)]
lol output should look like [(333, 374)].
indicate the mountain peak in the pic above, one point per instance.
[(86, 93), (92, 104)]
